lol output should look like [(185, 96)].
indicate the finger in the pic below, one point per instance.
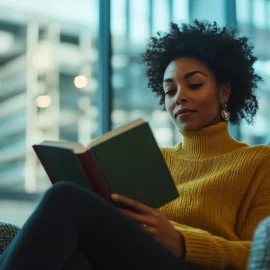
[(132, 203), (150, 230), (135, 216), (143, 226)]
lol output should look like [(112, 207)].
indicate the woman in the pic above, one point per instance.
[(204, 77)]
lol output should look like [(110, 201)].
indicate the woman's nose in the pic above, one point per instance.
[(181, 96)]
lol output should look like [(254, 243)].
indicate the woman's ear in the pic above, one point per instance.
[(225, 92)]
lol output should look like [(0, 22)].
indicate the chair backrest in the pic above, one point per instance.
[(7, 233), (260, 249)]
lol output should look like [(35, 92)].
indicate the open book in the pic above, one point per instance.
[(126, 161)]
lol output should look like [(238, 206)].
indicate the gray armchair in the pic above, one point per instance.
[(260, 250), (7, 233)]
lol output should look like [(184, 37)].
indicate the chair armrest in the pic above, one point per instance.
[(260, 250), (7, 233)]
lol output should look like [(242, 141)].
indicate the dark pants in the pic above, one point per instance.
[(73, 227)]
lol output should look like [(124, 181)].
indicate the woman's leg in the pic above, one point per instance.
[(77, 261), (69, 217)]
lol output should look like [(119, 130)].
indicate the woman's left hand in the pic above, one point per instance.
[(154, 222)]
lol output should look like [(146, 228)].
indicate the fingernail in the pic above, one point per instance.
[(114, 196)]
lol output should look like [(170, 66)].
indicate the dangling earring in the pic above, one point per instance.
[(225, 113)]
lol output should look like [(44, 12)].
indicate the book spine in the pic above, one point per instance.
[(35, 147), (93, 175)]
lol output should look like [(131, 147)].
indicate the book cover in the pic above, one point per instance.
[(128, 163)]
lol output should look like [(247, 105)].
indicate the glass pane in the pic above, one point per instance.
[(180, 11), (118, 27), (160, 16), (268, 12), (255, 29), (139, 26), (259, 13), (132, 98), (242, 11), (258, 133), (48, 82)]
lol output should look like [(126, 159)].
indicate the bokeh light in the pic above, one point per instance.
[(80, 81), (43, 101)]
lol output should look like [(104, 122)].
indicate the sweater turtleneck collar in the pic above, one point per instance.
[(208, 142)]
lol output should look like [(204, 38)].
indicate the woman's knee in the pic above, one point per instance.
[(62, 190), (66, 194)]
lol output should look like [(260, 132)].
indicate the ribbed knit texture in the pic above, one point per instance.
[(224, 192)]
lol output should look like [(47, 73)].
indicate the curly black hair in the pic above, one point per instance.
[(227, 55)]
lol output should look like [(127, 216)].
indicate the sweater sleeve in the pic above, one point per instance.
[(208, 251)]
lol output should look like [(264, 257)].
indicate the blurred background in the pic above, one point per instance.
[(69, 70)]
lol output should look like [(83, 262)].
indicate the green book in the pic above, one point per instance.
[(125, 161)]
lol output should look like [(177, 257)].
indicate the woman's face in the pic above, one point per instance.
[(192, 96)]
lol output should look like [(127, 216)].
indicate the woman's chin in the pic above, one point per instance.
[(189, 126)]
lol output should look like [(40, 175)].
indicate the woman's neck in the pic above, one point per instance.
[(211, 141)]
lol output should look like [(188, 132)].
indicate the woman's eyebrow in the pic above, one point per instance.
[(186, 76), (189, 74)]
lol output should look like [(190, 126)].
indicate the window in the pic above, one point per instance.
[(132, 23), (48, 82)]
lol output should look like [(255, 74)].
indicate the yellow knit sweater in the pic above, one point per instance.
[(224, 191)]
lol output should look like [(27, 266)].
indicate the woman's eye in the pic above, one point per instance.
[(195, 86), (170, 92)]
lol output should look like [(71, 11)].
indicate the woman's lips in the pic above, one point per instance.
[(184, 112)]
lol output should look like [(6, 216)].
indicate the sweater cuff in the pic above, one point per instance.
[(198, 248)]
